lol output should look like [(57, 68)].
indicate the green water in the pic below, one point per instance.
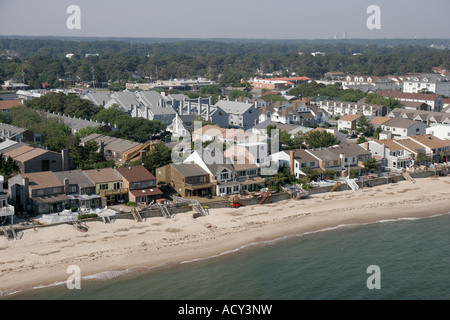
[(413, 257)]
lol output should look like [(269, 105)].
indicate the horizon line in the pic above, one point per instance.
[(218, 38)]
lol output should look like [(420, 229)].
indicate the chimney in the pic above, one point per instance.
[(291, 162), (64, 160), (25, 195), (181, 107), (366, 146), (66, 185)]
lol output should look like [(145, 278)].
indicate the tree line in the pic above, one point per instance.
[(39, 61)]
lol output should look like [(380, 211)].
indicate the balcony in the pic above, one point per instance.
[(197, 186), (113, 192), (7, 211)]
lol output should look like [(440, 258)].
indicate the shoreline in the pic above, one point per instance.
[(40, 258)]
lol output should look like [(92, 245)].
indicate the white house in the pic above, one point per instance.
[(402, 128), (348, 122), (437, 83), (442, 131), (391, 154)]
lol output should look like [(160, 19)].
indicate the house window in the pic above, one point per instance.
[(117, 185), (103, 186)]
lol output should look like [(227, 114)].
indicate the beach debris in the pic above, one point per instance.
[(336, 185), (9, 233), (80, 226)]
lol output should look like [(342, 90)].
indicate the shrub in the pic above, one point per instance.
[(87, 216)]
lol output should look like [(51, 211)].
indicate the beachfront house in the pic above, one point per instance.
[(351, 154), (141, 184), (329, 162), (391, 155), (220, 169), (37, 192), (49, 192), (187, 179), (437, 149), (80, 189), (231, 177), (108, 184)]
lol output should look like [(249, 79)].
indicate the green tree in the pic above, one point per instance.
[(370, 164), (361, 139), (87, 155), (234, 94), (56, 134), (320, 139), (376, 132), (363, 125), (160, 156)]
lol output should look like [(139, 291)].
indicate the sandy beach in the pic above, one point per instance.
[(41, 256)]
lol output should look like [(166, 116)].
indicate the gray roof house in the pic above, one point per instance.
[(232, 114), (76, 124)]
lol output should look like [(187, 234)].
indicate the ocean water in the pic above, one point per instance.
[(413, 257)]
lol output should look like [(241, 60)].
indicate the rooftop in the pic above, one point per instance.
[(429, 140), (350, 117), (135, 173), (400, 123), (103, 175), (42, 180), (233, 107), (8, 104), (189, 169), (406, 95), (349, 150), (75, 177), (379, 120), (146, 192)]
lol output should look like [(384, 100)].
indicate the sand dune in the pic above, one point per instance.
[(41, 256)]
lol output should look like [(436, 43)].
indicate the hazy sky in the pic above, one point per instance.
[(289, 19)]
